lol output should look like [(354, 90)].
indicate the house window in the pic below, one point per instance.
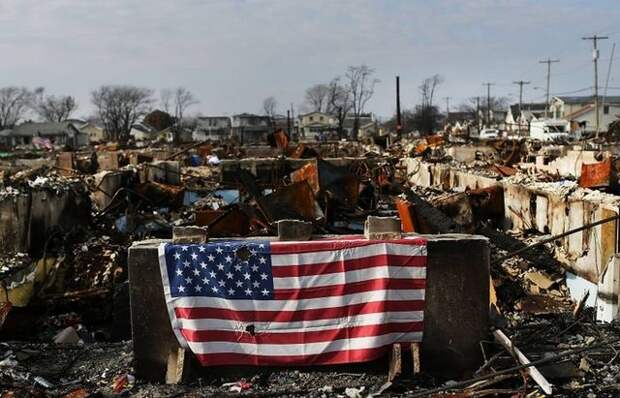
[(312, 118), (606, 110), (321, 118)]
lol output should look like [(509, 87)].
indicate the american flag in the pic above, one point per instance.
[(241, 302)]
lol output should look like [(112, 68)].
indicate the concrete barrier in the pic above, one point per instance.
[(455, 315)]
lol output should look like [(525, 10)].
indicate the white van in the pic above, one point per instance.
[(547, 130)]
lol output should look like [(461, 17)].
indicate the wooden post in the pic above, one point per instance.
[(415, 356), (178, 366), (395, 362)]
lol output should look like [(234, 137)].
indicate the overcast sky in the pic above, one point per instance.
[(234, 53)]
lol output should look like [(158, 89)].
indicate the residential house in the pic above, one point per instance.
[(313, 124), (519, 121), (248, 128), (365, 120), (95, 133), (55, 133), (580, 111), (213, 128)]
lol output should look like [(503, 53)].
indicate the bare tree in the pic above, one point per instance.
[(361, 87), (269, 106), (317, 96), (14, 103), (428, 88), (165, 99), (338, 103), (119, 107), (183, 99), (54, 109)]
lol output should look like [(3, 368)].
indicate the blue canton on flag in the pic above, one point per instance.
[(226, 269)]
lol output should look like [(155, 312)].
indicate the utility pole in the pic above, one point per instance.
[(399, 122), (548, 61), (488, 102), (293, 118), (447, 106), (520, 83), (288, 122), (594, 39), (478, 112)]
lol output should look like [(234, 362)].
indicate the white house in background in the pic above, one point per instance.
[(212, 128), (580, 112), (313, 123)]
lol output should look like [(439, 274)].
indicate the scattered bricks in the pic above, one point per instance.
[(294, 230), (382, 228), (191, 234)]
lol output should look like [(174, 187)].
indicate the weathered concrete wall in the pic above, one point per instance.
[(551, 208), (455, 315)]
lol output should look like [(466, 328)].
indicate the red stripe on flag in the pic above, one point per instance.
[(328, 358), (380, 260), (301, 337), (349, 288), (319, 246), (300, 315)]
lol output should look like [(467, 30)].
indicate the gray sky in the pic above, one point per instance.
[(233, 53)]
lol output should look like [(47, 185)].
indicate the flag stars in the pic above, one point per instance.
[(228, 259), (238, 267), (239, 283), (212, 274), (221, 283), (219, 250), (198, 288), (215, 289), (262, 260), (256, 284), (265, 292), (231, 291), (220, 266), (205, 280), (254, 268), (246, 276), (177, 256), (263, 276), (184, 248), (203, 265), (179, 272), (194, 256), (211, 257), (181, 288), (188, 280), (186, 264), (248, 292), (202, 249), (229, 275), (196, 272)]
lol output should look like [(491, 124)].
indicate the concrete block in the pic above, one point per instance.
[(190, 234), (382, 228), (294, 230), (456, 316)]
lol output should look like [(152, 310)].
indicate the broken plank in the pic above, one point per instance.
[(534, 373), (415, 356), (396, 362)]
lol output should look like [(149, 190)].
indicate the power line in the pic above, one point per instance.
[(520, 83), (488, 101)]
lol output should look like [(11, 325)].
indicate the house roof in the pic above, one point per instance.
[(579, 112), (46, 128), (576, 100)]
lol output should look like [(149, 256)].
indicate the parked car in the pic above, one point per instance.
[(489, 134)]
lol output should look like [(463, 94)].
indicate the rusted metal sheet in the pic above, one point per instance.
[(281, 139), (505, 171), (308, 173), (231, 222), (595, 175), (406, 212), (295, 201)]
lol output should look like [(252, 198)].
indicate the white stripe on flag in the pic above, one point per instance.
[(305, 326), (341, 278), (347, 254), (356, 343), (296, 305)]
